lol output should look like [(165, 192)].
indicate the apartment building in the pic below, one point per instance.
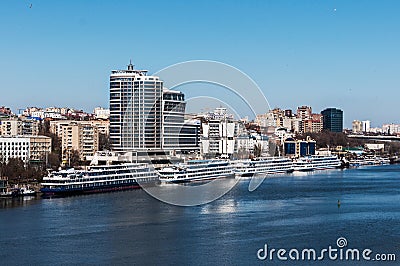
[(83, 138)]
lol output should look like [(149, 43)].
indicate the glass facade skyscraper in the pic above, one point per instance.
[(173, 118), (333, 119), (135, 110)]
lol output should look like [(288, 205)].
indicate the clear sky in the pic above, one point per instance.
[(341, 54)]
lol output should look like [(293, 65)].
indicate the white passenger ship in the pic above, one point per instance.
[(98, 179), (263, 165), (369, 161), (316, 162), (196, 170)]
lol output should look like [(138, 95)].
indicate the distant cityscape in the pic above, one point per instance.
[(144, 116)]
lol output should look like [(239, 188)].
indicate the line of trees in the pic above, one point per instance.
[(18, 172), (327, 138)]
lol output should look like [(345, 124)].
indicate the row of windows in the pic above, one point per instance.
[(176, 109), (13, 148), (174, 97), (171, 119), (14, 143), (136, 84), (2, 154)]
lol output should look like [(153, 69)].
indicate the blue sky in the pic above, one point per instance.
[(341, 54)]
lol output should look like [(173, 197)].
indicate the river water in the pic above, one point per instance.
[(289, 211)]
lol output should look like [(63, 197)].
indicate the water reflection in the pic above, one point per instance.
[(223, 206), (18, 201)]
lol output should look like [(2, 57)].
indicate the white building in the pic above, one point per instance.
[(374, 146), (53, 115), (47, 114), (53, 110), (14, 147), (246, 145), (283, 133), (218, 138), (297, 125), (135, 110), (391, 128), (101, 113), (262, 142), (375, 130), (366, 125), (27, 148), (38, 114), (219, 135)]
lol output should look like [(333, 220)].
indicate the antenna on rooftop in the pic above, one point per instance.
[(130, 66)]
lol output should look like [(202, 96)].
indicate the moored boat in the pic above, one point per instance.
[(303, 165), (263, 165), (9, 194), (27, 191), (322, 162), (369, 161), (196, 171), (99, 179), (316, 162)]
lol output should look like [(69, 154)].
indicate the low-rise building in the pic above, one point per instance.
[(218, 138), (19, 126), (11, 127), (6, 111), (253, 144), (375, 146), (39, 148), (103, 126), (391, 128), (101, 113), (27, 148), (30, 127), (14, 147), (299, 148), (357, 126), (219, 134)]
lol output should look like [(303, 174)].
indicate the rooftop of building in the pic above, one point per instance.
[(24, 137), (131, 70)]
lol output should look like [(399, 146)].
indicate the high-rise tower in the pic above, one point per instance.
[(135, 110), (333, 119)]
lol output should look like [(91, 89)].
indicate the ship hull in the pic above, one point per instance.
[(59, 191), (201, 179), (268, 172)]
